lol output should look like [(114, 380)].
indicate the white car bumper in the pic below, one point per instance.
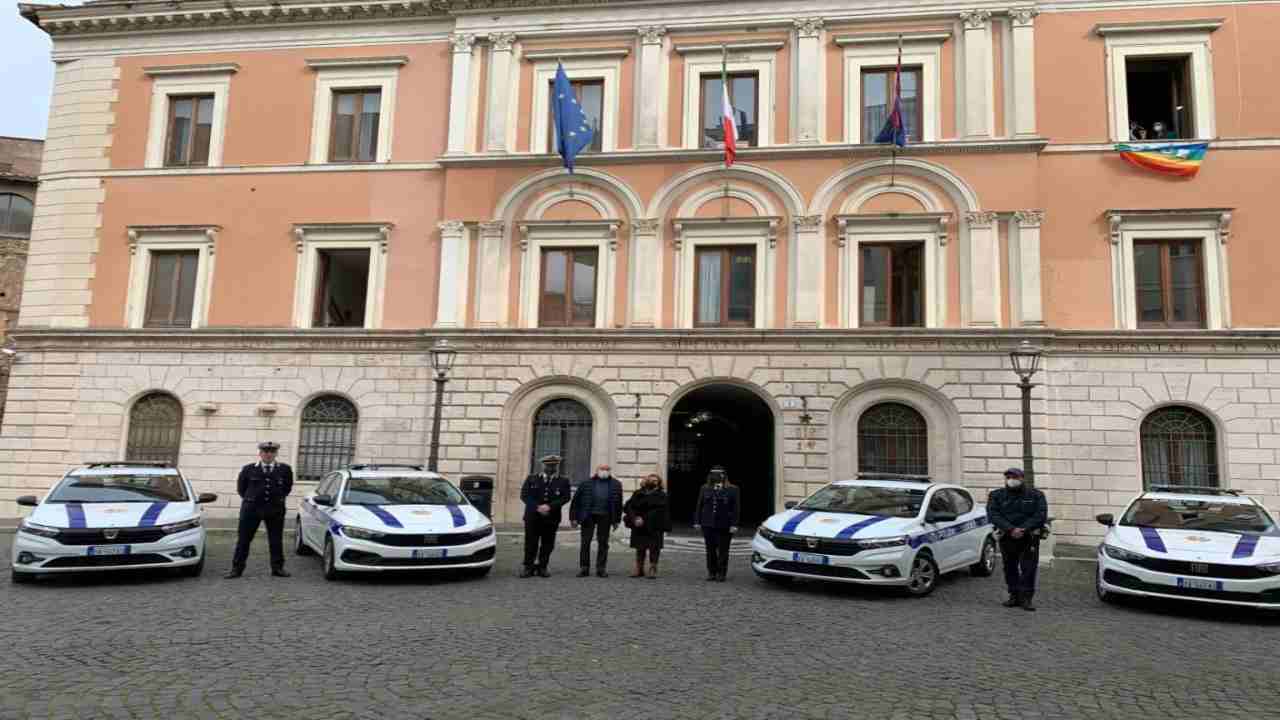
[(886, 566), (40, 555), (1118, 576), (352, 555)]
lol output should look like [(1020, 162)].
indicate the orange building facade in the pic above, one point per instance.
[(255, 220)]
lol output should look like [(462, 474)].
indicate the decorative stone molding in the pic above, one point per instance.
[(651, 34), (451, 226), (205, 69), (1114, 222), (462, 42), (1023, 16), (135, 233), (1224, 227), (357, 62), (492, 227), (806, 222), (645, 225), (980, 218), (881, 38), (733, 47), (383, 231), (808, 27), (1029, 218), (975, 19), (534, 56), (502, 42), (1168, 26)]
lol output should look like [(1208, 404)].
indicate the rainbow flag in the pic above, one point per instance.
[(1182, 159)]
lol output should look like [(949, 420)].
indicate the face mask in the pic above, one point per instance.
[(1013, 483), (605, 474), (651, 485)]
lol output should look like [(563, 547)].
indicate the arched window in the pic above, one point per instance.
[(328, 437), (155, 429), (563, 427), (1179, 447), (893, 438), (15, 214)]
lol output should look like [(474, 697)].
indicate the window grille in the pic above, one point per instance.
[(1179, 447), (563, 427), (328, 437), (155, 429), (893, 438)]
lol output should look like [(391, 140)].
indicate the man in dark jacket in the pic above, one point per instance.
[(717, 514), (1019, 513), (263, 487), (597, 507), (543, 494)]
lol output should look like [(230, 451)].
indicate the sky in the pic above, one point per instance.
[(26, 75)]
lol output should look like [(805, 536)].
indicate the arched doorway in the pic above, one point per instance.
[(722, 425)]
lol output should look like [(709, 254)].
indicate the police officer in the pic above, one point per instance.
[(543, 494), (717, 514), (263, 487), (1019, 514)]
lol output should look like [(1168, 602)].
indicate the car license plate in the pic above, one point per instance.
[(811, 558), (1200, 584), (109, 550), (430, 553)]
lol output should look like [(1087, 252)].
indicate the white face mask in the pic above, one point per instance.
[(1013, 483), (604, 474)]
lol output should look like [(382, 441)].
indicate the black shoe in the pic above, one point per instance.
[(542, 572), (721, 577), (526, 571), (280, 572), (601, 572), (712, 577), (584, 572), (1028, 605), (233, 574), (1013, 601)]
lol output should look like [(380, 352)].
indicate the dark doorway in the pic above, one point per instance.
[(721, 425)]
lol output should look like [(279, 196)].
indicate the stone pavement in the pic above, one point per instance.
[(152, 646)]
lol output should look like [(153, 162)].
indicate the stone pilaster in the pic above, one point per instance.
[(1023, 59), (492, 276), (808, 80), (500, 47), (460, 92), (455, 273), (978, 78), (649, 87), (1024, 263), (808, 288), (984, 270)]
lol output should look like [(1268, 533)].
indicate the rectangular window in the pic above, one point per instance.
[(354, 126), (743, 96), (590, 94), (877, 101), (190, 129), (725, 287), (892, 284), (1159, 97), (171, 288), (1168, 279), (342, 288), (568, 288)]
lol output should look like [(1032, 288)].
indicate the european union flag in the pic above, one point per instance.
[(573, 133)]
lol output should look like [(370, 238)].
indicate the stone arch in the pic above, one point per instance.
[(695, 201), (516, 436), (590, 196), (670, 191), (914, 190), (1220, 431), (940, 415), (961, 194), (583, 179)]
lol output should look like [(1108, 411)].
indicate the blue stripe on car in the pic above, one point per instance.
[(949, 531), (152, 514), (458, 518), (795, 520), (1152, 538), (386, 517), (853, 529), (1245, 546), (75, 515)]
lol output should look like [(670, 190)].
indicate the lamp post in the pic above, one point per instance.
[(1026, 361), (442, 357)]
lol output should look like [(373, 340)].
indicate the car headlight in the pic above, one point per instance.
[(185, 525), (1272, 568), (766, 533), (31, 528), (482, 532), (1119, 553), (360, 533), (877, 543)]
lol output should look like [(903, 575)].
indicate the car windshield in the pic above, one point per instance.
[(401, 491), (863, 500), (122, 487), (1183, 514)]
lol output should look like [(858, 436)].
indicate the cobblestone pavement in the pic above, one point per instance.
[(158, 647)]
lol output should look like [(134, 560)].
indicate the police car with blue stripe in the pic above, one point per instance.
[(1200, 544), (378, 518), (112, 515), (899, 531)]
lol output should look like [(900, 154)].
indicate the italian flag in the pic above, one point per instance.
[(726, 112)]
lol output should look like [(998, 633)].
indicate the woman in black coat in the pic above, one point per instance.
[(648, 514)]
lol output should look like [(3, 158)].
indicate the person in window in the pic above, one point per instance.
[(543, 494), (717, 514), (1160, 132), (1019, 514), (597, 507), (263, 487), (1137, 132), (648, 514)]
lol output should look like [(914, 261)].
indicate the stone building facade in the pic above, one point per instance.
[(19, 171), (201, 279)]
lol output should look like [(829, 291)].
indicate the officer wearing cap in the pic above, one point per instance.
[(263, 487), (543, 494), (717, 514), (1019, 514)]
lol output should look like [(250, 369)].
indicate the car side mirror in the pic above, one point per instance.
[(1106, 519), (790, 504), (326, 500), (206, 498), (28, 500), (937, 517)]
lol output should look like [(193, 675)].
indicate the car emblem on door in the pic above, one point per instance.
[(1200, 568), (110, 534), (812, 543)]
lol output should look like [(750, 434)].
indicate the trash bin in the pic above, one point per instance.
[(479, 491)]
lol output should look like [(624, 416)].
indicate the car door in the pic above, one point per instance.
[(314, 517), (942, 542), (969, 542)]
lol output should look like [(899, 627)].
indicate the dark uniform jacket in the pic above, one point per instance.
[(257, 487), (539, 490), (584, 499), (717, 508), (1024, 508)]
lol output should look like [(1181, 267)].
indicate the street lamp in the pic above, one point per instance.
[(1026, 361), (442, 357)]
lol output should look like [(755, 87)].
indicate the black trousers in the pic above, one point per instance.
[(1021, 562), (251, 516), (717, 541), (598, 525), (539, 540)]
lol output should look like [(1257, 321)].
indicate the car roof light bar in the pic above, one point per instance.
[(132, 463), (894, 476), (1194, 489), (385, 466)]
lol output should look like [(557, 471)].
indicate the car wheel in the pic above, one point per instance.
[(924, 575), (21, 578), (330, 568), (300, 546), (986, 559)]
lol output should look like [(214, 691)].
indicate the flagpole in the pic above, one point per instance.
[(724, 79), (560, 129), (897, 99)]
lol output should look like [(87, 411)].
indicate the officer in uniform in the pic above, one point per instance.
[(1019, 514), (263, 487), (717, 514), (543, 494)]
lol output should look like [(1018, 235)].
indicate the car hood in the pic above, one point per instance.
[(843, 525), (412, 518), (1196, 544), (112, 515)]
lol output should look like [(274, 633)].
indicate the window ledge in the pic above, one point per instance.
[(773, 45), (361, 62), (209, 69), (1164, 26), (611, 52), (936, 36)]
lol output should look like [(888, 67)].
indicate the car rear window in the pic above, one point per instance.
[(863, 500), (123, 487), (1208, 515)]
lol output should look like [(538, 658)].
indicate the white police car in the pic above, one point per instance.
[(112, 515), (890, 530), (1201, 544), (371, 518)]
